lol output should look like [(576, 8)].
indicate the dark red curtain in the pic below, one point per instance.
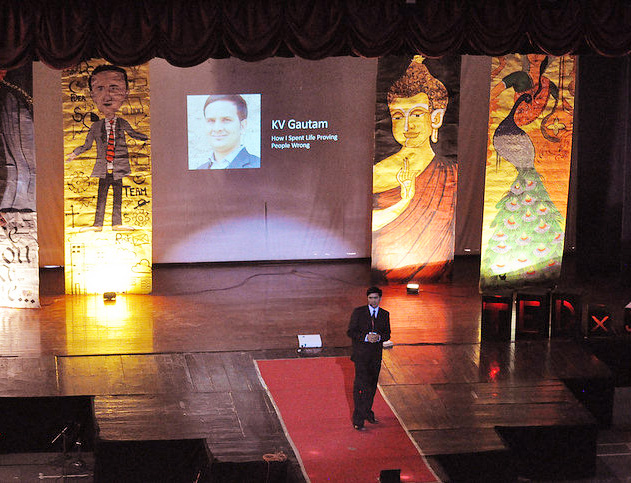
[(61, 33)]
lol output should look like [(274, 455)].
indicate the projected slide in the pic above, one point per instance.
[(265, 160), (224, 131)]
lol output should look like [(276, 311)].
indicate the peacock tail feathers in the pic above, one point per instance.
[(526, 244)]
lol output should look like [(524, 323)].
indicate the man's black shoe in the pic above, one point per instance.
[(372, 419), (359, 427)]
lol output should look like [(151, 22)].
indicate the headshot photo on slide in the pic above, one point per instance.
[(224, 131)]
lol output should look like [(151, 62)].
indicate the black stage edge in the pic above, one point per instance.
[(532, 453), (615, 352), (485, 467), (596, 395), (552, 452), (44, 424), (185, 460), (249, 472)]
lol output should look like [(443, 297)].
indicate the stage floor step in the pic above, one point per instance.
[(458, 441)]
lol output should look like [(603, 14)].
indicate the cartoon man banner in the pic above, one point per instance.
[(415, 171), (107, 178), (19, 262), (527, 171)]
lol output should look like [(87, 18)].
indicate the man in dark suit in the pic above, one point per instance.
[(368, 329), (226, 120)]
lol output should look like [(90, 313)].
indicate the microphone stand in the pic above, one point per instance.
[(64, 441), (77, 463)]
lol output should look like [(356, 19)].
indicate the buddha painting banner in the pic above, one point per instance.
[(107, 192), (527, 171), (19, 262), (416, 167)]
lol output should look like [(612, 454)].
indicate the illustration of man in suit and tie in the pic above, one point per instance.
[(368, 329), (109, 89)]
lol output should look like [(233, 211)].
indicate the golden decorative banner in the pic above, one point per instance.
[(415, 171), (527, 171), (107, 194), (19, 262)]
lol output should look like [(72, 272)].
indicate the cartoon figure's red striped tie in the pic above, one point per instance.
[(109, 154)]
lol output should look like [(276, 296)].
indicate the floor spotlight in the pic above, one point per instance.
[(412, 288), (109, 297)]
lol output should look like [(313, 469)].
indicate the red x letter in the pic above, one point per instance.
[(600, 323)]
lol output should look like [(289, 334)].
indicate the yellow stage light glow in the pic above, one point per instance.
[(112, 277), (104, 314), (94, 326)]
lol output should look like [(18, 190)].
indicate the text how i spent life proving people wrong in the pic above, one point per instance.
[(302, 135)]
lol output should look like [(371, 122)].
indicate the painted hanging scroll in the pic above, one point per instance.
[(527, 171), (107, 178), (19, 261), (415, 171)]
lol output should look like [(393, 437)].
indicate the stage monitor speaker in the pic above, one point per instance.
[(309, 341), (532, 315), (599, 321), (496, 317), (309, 344), (566, 315), (390, 476)]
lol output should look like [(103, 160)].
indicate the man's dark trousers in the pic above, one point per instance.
[(364, 388)]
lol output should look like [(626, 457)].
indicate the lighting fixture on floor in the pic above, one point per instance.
[(412, 288)]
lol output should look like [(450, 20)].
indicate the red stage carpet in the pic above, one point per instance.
[(314, 400)]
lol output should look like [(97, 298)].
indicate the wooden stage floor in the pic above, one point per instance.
[(178, 364)]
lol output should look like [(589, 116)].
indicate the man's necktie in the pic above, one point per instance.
[(109, 153)]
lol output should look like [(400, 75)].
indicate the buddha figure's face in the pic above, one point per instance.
[(413, 121)]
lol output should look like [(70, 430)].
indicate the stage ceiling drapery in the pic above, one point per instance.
[(62, 33)]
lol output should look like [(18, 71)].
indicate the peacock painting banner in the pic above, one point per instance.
[(107, 193), (527, 171), (415, 170), (19, 261)]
